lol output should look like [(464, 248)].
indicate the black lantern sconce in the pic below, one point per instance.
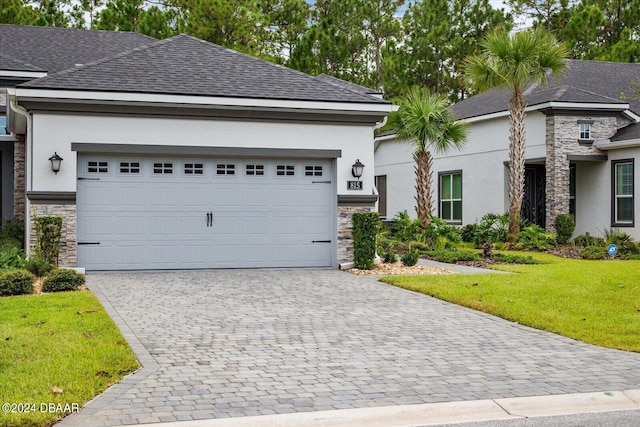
[(357, 169), (55, 162)]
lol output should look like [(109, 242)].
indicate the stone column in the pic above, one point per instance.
[(19, 177), (67, 256)]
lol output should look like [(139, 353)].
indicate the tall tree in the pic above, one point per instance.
[(514, 62), (539, 12), (287, 22), (121, 15), (426, 121), (17, 12)]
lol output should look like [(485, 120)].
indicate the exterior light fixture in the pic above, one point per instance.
[(356, 169), (55, 162)]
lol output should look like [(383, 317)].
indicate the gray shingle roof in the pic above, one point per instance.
[(626, 133), (584, 81), (12, 64), (347, 85), (184, 65), (56, 49)]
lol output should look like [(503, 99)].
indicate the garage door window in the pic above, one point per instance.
[(129, 168), (97, 167), (225, 169), (255, 170), (163, 168), (194, 169), (285, 170), (313, 171)]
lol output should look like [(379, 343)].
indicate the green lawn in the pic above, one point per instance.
[(65, 341), (597, 302)]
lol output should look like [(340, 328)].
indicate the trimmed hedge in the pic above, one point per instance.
[(48, 236), (62, 280), (365, 229), (16, 282), (410, 258), (565, 226)]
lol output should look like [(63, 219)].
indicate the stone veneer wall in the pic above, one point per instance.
[(68, 240), (562, 139), (18, 177), (345, 231)]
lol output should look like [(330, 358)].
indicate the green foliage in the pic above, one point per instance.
[(48, 235), (12, 259), (16, 282), (365, 229), (514, 259), (439, 227), (630, 257), (37, 266), (410, 258), (624, 242), (492, 228), (7, 243), (389, 257), (452, 256), (420, 246), (62, 280), (565, 226), (13, 229), (534, 237), (586, 239), (468, 232), (405, 229), (593, 252)]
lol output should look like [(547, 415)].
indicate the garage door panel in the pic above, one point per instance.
[(152, 221)]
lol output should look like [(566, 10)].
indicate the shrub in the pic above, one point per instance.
[(586, 239), (62, 280), (630, 257), (410, 258), (536, 237), (515, 259), (622, 240), (420, 246), (403, 228), (12, 259), (389, 257), (48, 235), (365, 230), (492, 228), (451, 257), (468, 232), (13, 229), (565, 226), (439, 228), (593, 252), (38, 266), (16, 282), (8, 243)]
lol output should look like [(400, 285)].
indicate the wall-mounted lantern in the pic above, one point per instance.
[(357, 169), (55, 162)]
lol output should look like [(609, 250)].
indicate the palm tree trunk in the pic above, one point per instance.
[(424, 191), (517, 105)]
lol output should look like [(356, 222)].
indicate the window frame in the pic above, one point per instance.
[(615, 222), (461, 199)]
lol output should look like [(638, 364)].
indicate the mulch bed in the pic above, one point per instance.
[(397, 268)]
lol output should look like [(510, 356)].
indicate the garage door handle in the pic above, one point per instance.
[(321, 241), (88, 243), (209, 219)]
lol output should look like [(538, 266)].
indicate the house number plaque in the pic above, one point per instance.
[(354, 185)]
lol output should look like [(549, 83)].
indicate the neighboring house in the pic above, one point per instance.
[(183, 154), (583, 140)]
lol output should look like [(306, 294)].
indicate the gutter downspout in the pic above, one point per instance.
[(13, 105)]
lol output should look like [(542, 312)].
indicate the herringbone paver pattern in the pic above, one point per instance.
[(231, 343)]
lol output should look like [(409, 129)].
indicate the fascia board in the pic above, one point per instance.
[(607, 145), (555, 106), (23, 74), (202, 101)]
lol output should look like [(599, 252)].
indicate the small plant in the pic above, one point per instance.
[(48, 235), (419, 246), (410, 258), (389, 257), (404, 228), (16, 282), (593, 252), (487, 250), (492, 228), (12, 259), (468, 232), (515, 259), (13, 229), (439, 228), (534, 237), (451, 256), (622, 240), (62, 280), (8, 243), (586, 239), (565, 226), (365, 230), (37, 266)]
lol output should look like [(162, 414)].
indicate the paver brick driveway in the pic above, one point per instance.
[(231, 343)]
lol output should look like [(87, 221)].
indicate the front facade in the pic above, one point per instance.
[(580, 155), (181, 154)]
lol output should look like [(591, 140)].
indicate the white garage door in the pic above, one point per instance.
[(182, 213)]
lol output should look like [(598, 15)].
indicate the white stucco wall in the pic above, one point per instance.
[(593, 194), (484, 187), (55, 133)]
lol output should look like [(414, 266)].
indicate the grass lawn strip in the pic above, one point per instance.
[(597, 302), (63, 341)]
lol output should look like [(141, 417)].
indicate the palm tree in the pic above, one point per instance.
[(425, 120), (514, 62)]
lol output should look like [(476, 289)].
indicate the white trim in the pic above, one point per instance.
[(558, 106), (633, 116), (163, 99), (608, 145), (23, 74)]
